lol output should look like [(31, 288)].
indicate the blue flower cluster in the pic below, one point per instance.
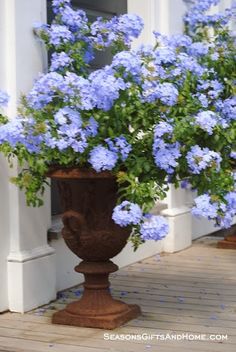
[(201, 158), (151, 227), (212, 89), (58, 5), (99, 90), (102, 158), (4, 98), (166, 92), (165, 154), (207, 120), (71, 132), (129, 62), (21, 131), (123, 28), (163, 128), (198, 49), (127, 213), (196, 16), (205, 207), (105, 88), (75, 20), (120, 146), (59, 34), (154, 228), (227, 109), (222, 212), (60, 61), (44, 90)]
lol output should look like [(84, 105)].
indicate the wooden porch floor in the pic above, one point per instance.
[(193, 291)]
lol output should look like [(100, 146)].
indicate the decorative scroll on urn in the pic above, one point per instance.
[(88, 199)]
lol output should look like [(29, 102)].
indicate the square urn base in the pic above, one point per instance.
[(110, 321)]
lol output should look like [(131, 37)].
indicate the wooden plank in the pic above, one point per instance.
[(167, 264), (21, 345), (173, 287), (185, 283), (137, 291), (181, 276), (197, 272)]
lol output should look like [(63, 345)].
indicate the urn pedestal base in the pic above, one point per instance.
[(97, 308), (228, 243), (109, 322)]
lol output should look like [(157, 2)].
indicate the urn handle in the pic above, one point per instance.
[(73, 225)]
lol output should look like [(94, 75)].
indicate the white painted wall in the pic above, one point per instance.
[(31, 272)]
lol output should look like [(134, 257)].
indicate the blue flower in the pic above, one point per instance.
[(179, 40), (228, 109), (207, 120), (163, 128), (212, 88), (201, 158), (58, 5), (189, 63), (127, 213), (78, 91), (22, 131), (165, 55), (104, 33), (233, 155), (67, 115), (130, 25), (198, 49), (76, 21), (60, 61), (59, 34), (166, 92), (102, 158), (119, 145), (91, 129), (129, 61), (44, 90), (4, 98), (231, 201), (105, 88), (166, 155), (155, 228), (123, 28), (203, 100), (205, 207)]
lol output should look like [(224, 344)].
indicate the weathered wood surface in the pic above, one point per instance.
[(193, 291)]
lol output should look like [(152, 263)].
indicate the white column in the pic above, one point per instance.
[(180, 220), (4, 233), (145, 9), (31, 269), (4, 214)]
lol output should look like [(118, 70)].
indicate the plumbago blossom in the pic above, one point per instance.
[(154, 115), (4, 98)]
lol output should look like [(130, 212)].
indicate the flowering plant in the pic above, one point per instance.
[(3, 102), (153, 116)]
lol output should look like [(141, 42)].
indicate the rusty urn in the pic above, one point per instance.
[(87, 200)]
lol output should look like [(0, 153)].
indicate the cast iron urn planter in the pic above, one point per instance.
[(88, 199)]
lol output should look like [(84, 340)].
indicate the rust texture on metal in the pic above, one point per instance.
[(92, 235)]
